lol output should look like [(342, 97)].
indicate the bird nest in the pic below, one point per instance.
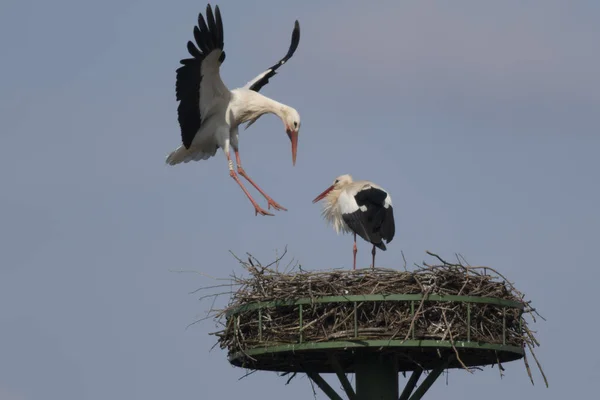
[(443, 302)]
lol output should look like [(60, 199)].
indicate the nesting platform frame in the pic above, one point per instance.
[(375, 363)]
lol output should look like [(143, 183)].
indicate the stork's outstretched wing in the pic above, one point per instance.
[(198, 84), (261, 80)]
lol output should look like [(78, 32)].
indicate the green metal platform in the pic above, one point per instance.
[(376, 363)]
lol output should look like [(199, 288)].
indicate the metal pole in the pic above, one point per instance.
[(410, 385), (321, 383), (342, 377), (433, 375), (376, 377)]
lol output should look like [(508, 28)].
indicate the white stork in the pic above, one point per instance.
[(362, 208), (209, 113)]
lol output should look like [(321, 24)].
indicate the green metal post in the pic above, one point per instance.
[(412, 315), (355, 320), (504, 326), (376, 377), (300, 323), (468, 322), (260, 324)]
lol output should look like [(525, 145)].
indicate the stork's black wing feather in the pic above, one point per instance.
[(219, 22), (388, 227), (209, 37), (264, 79), (359, 223)]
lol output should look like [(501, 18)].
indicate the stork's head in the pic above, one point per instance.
[(339, 183), (291, 120)]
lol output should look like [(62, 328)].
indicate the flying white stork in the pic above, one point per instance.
[(362, 208), (209, 113)]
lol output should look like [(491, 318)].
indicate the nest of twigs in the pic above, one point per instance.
[(389, 320)]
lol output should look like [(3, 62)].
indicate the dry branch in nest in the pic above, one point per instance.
[(390, 320)]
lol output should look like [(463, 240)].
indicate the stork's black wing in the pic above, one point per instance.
[(209, 37), (374, 218), (261, 80)]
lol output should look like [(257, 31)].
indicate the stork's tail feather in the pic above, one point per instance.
[(380, 245), (183, 155)]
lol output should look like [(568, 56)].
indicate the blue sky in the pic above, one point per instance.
[(479, 119)]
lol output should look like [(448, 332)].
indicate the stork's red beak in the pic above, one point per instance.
[(322, 195), (293, 135)]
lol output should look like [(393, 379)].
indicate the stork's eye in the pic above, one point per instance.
[(295, 124), (336, 181)]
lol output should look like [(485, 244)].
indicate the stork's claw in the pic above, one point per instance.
[(275, 205), (259, 210)]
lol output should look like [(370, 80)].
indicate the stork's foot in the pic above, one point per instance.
[(259, 210), (275, 205)]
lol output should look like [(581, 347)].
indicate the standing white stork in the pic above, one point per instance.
[(209, 113), (361, 207)]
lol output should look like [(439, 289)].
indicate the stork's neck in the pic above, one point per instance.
[(331, 211), (270, 106), (253, 104)]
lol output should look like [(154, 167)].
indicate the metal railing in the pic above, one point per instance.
[(399, 298)]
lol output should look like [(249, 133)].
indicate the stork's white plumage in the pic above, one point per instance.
[(362, 208), (209, 113)]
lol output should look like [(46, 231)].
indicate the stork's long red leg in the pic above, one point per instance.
[(373, 252), (354, 250), (257, 208), (241, 171)]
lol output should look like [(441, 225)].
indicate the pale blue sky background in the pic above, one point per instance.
[(480, 119)]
